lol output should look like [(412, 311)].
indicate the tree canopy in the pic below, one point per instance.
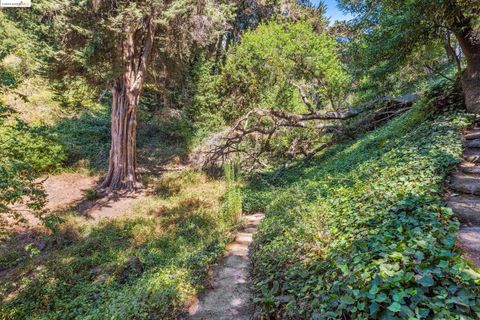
[(392, 31)]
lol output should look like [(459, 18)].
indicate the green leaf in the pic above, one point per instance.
[(395, 307), (346, 299), (381, 297), (373, 290), (373, 308), (426, 281)]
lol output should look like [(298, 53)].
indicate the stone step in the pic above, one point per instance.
[(472, 134), (466, 209), (465, 183), (469, 168), (468, 239), (244, 238), (472, 155), (475, 143)]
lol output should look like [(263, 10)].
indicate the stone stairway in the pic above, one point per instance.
[(465, 197), (230, 296)]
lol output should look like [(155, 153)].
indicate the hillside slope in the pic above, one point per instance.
[(363, 231)]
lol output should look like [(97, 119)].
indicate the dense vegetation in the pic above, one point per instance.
[(319, 121), (363, 232)]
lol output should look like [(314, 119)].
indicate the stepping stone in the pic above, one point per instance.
[(472, 155), (465, 183), (475, 143), (469, 167), (244, 238), (466, 209), (473, 134), (468, 239)]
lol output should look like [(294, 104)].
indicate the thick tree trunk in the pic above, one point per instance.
[(123, 160), (470, 43), (135, 53)]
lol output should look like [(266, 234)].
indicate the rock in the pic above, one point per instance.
[(468, 239), (132, 268), (472, 155), (465, 183), (103, 271), (466, 209)]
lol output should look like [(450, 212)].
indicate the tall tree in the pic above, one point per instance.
[(117, 44), (393, 30), (278, 87)]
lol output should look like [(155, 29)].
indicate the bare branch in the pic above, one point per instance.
[(259, 126)]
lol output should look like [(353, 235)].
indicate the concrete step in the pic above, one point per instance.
[(472, 155), (466, 209), (472, 134), (469, 168), (465, 183), (475, 143), (468, 239)]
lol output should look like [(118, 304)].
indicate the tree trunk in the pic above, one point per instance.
[(135, 53), (470, 43), (123, 161), (450, 51)]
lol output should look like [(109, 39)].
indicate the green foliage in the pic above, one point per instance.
[(363, 232), (16, 58), (263, 69), (393, 41), (91, 194), (86, 138), (200, 115), (168, 186), (202, 110), (26, 152), (233, 194), (148, 265)]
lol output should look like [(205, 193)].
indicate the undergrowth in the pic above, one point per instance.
[(363, 232), (148, 265)]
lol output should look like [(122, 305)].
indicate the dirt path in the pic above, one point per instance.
[(465, 198), (68, 192), (230, 296), (66, 188)]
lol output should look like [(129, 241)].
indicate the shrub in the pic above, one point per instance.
[(86, 138), (26, 152)]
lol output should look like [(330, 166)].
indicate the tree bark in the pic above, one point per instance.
[(135, 50), (450, 51), (469, 41)]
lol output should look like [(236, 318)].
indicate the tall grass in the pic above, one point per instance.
[(233, 195)]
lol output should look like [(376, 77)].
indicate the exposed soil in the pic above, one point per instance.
[(230, 295), (68, 191), (67, 188)]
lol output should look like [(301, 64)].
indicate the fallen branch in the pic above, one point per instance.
[(259, 126)]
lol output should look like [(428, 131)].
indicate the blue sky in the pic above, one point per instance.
[(332, 10)]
